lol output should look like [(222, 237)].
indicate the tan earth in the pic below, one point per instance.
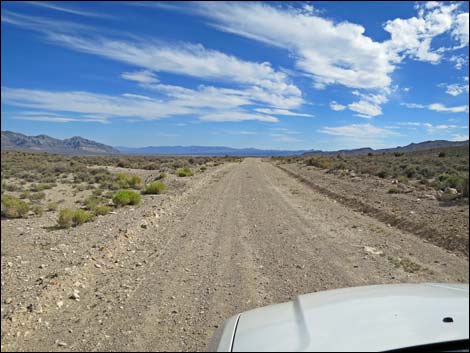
[(166, 274)]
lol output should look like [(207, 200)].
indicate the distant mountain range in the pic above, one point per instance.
[(43, 143), (412, 147), (205, 151), (79, 145)]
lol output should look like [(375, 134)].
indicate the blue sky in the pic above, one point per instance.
[(303, 75)]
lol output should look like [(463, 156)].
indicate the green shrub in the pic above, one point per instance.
[(161, 176), (65, 218), (184, 172), (80, 217), (410, 171), (320, 162), (97, 192), (25, 195), (127, 181), (91, 202), (135, 182), (382, 174), (126, 197), (36, 196), (155, 188), (52, 206), (10, 187), (102, 210), (442, 154), (393, 190), (402, 179), (13, 207), (37, 209)]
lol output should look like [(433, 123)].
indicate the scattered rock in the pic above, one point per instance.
[(61, 343), (372, 250), (75, 295)]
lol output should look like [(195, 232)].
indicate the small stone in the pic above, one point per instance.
[(60, 304), (61, 344), (97, 265), (75, 295)]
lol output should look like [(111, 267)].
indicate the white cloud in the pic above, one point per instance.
[(461, 29), (413, 36), (55, 6), (329, 52), (207, 103), (357, 130), (438, 107), (459, 61), (56, 119), (336, 106), (237, 116), (433, 129), (260, 80), (460, 137), (143, 76), (341, 52), (282, 112), (441, 108), (456, 89), (365, 109), (285, 138)]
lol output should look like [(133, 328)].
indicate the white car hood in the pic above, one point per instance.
[(372, 318)]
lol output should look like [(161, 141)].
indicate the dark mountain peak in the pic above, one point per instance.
[(44, 143)]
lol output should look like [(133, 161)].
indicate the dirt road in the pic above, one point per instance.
[(249, 235)]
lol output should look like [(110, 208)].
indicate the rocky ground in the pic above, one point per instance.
[(416, 209), (165, 274)]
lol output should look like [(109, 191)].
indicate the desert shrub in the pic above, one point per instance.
[(52, 206), (123, 163), (455, 181), (465, 187), (102, 210), (36, 196), (126, 197), (155, 188), (319, 162), (203, 168), (410, 171), (135, 182), (10, 187), (382, 174), (81, 187), (184, 172), (80, 217), (402, 179), (37, 209), (393, 190), (442, 154), (25, 194), (129, 181), (91, 202), (398, 154), (13, 207), (161, 176), (97, 192), (65, 218)]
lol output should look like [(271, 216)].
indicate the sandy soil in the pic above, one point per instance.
[(165, 274)]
